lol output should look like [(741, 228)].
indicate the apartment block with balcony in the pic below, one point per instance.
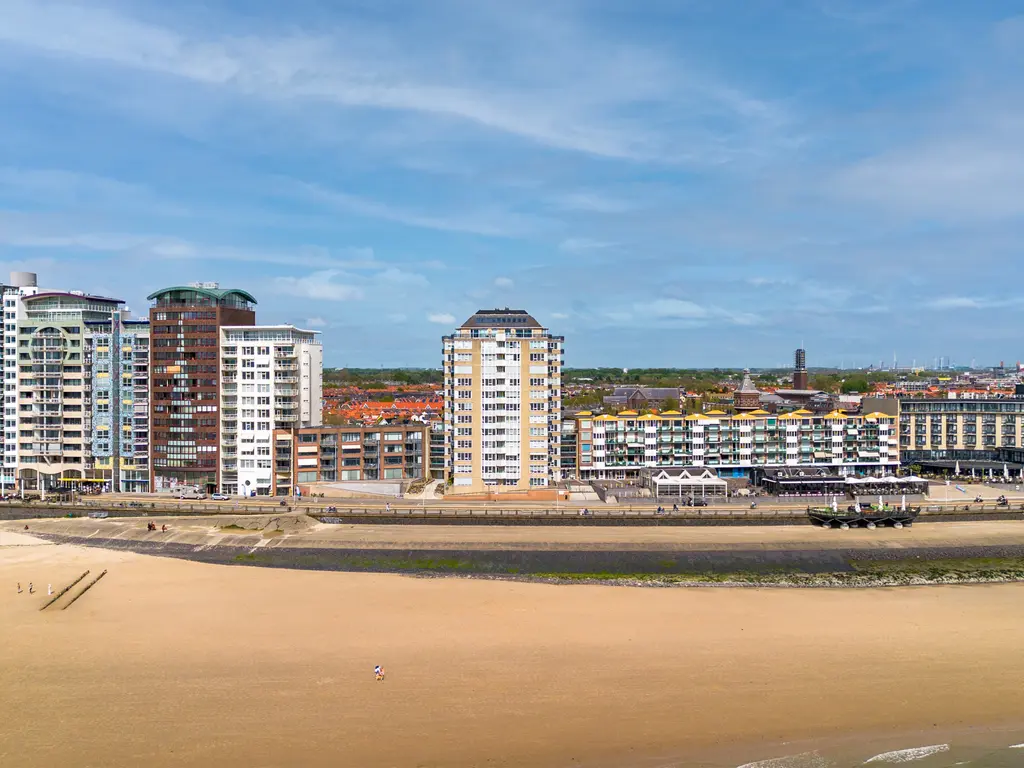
[(117, 369), (951, 430), (271, 381), (315, 455), (54, 439), (620, 447), (502, 404)]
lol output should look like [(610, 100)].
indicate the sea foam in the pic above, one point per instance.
[(804, 760), (908, 755)]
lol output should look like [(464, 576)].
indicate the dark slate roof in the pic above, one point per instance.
[(747, 387), (501, 318)]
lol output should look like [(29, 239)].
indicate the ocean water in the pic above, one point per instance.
[(970, 748)]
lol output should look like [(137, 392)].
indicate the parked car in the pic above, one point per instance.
[(699, 503), (220, 497)]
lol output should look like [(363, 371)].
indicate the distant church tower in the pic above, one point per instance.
[(800, 370), (747, 397)]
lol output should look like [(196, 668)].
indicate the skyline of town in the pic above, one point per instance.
[(765, 176)]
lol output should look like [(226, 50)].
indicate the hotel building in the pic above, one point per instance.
[(271, 380), (502, 403), (934, 429), (620, 447), (185, 375)]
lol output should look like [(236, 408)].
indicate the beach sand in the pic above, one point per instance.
[(167, 662)]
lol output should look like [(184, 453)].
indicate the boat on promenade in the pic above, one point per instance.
[(864, 515)]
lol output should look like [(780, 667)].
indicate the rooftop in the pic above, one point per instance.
[(501, 318), (70, 295), (211, 291)]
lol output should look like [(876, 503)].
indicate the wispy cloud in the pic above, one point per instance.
[(574, 89), (319, 286), (441, 318), (504, 282), (582, 244), (594, 202), (492, 223), (315, 322)]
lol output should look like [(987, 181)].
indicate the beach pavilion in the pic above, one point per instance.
[(685, 483)]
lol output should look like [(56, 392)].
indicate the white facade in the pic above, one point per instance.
[(12, 295), (271, 378)]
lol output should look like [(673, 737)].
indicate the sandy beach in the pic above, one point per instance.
[(169, 662)]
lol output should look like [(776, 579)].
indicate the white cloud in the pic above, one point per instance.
[(319, 286), (673, 308), (591, 201), (954, 302), (441, 318), (504, 282), (580, 244), (394, 276), (315, 322), (559, 316)]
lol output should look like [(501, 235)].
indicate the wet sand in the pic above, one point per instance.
[(168, 662), (301, 531)]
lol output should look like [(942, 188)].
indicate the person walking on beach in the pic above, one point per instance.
[(49, 589), (378, 673), (31, 589), (19, 588)]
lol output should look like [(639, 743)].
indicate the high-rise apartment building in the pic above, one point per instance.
[(502, 403), (117, 423), (21, 284), (185, 374), (271, 379), (54, 437)]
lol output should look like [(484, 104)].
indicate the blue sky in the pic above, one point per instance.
[(684, 183)]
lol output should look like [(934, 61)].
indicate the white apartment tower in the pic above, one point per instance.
[(271, 378), (502, 404)]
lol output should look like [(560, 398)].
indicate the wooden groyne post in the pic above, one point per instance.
[(84, 590), (61, 594)]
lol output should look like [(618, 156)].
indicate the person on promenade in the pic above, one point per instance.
[(387, 507)]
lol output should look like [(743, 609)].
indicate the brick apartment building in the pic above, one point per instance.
[(348, 454), (185, 328)]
